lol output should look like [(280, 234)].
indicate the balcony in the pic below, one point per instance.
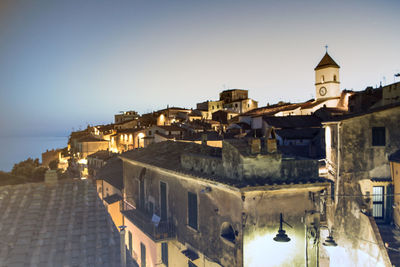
[(143, 220)]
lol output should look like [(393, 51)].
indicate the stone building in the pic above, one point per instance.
[(357, 151), (89, 144), (194, 205), (232, 100), (127, 139), (126, 116)]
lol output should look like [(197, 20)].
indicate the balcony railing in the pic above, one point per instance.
[(165, 229)]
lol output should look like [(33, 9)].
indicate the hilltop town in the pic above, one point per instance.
[(213, 184)]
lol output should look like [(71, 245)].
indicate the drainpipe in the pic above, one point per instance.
[(338, 162), (122, 245)]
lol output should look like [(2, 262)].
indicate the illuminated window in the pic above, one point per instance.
[(378, 136), (192, 210)]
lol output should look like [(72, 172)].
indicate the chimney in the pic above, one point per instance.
[(204, 139), (270, 141), (255, 145)]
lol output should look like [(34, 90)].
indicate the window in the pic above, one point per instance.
[(130, 242), (236, 105), (142, 255), (378, 136), (141, 195), (149, 132), (377, 200), (163, 200), (227, 232), (164, 253), (334, 78), (322, 79), (191, 264), (192, 210)]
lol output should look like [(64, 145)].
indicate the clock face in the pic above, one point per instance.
[(322, 91)]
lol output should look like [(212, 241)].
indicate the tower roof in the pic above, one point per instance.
[(326, 61)]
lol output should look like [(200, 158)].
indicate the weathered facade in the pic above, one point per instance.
[(214, 207), (357, 148)]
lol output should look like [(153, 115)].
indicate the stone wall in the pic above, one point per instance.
[(359, 161)]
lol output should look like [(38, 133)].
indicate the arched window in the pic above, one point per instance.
[(322, 79), (227, 232), (334, 78)]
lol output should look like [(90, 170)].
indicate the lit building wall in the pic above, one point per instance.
[(114, 209), (395, 171), (262, 210)]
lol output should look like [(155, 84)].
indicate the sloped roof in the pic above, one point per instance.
[(112, 173), (61, 224), (306, 133), (273, 109), (395, 156), (298, 121), (112, 199), (326, 61), (211, 136), (101, 154), (168, 154), (171, 128)]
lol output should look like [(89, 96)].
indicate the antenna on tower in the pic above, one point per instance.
[(326, 48)]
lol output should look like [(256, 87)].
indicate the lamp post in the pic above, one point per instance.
[(329, 241), (281, 236)]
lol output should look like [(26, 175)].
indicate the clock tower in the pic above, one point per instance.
[(327, 78)]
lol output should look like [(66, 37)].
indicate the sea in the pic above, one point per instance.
[(16, 149)]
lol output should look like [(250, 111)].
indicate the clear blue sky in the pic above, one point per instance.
[(64, 64)]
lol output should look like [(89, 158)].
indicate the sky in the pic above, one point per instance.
[(66, 64)]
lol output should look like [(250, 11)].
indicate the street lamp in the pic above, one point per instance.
[(281, 236), (329, 241)]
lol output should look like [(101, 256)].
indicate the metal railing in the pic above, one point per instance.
[(165, 229)]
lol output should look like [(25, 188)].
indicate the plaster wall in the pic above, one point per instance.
[(108, 189), (359, 161), (215, 207), (114, 210), (139, 237), (87, 148), (261, 224), (395, 170)]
